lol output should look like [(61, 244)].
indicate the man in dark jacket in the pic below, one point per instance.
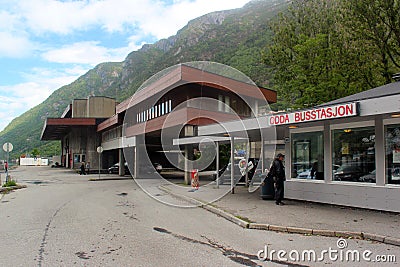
[(278, 174), (82, 171)]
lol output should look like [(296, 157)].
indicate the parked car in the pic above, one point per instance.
[(307, 173), (348, 172), (56, 165), (115, 168), (369, 178), (299, 167)]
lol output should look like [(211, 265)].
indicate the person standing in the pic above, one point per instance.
[(277, 171), (88, 167), (6, 166), (82, 172)]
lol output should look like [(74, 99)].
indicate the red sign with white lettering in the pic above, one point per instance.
[(316, 114)]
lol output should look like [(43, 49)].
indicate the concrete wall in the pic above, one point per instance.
[(347, 194), (84, 141), (79, 107), (93, 141), (100, 107), (93, 107)]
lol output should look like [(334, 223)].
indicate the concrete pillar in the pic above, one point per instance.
[(93, 139), (188, 163), (262, 155), (217, 163), (380, 151), (121, 160), (328, 172), (140, 150), (67, 159), (248, 155), (135, 163), (288, 155), (232, 165), (62, 151)]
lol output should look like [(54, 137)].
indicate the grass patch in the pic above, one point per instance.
[(10, 183)]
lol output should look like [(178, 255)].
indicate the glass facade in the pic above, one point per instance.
[(307, 155), (392, 152), (353, 153)]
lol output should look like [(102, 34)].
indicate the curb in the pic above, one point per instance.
[(109, 179), (9, 188), (287, 229), (210, 208), (227, 216)]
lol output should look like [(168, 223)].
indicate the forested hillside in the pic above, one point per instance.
[(234, 37)]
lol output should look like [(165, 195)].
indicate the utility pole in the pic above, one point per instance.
[(7, 147)]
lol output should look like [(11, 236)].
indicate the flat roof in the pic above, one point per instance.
[(381, 91), (56, 128)]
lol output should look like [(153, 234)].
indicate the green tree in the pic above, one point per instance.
[(317, 55), (35, 152), (376, 23)]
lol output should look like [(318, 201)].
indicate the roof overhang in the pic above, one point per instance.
[(57, 128), (184, 74), (109, 123), (283, 119)]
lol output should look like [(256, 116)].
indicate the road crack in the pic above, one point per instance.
[(235, 256), (46, 231)]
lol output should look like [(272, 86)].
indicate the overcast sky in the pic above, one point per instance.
[(46, 44)]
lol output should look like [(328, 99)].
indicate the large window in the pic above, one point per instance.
[(392, 148), (307, 155), (354, 154)]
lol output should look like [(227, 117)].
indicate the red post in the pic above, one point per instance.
[(195, 178)]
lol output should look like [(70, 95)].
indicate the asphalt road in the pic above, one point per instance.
[(62, 219)]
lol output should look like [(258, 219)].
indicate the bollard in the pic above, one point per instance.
[(195, 178)]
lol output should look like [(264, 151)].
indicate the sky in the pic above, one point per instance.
[(46, 44)]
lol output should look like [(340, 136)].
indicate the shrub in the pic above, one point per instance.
[(10, 183)]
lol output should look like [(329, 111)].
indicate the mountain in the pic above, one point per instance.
[(233, 37)]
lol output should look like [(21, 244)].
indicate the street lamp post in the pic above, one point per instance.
[(7, 147), (99, 151)]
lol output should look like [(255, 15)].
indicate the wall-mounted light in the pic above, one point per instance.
[(395, 115), (293, 127), (347, 130)]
